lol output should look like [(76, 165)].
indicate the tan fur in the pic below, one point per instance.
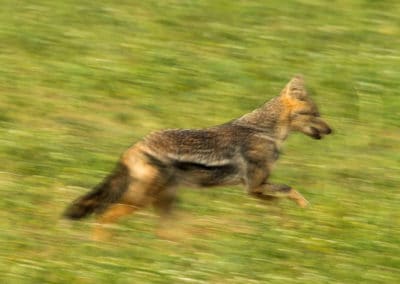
[(113, 213)]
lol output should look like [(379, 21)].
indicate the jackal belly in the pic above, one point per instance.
[(202, 175)]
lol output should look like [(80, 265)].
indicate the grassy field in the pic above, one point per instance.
[(81, 81)]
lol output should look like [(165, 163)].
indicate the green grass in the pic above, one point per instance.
[(80, 82)]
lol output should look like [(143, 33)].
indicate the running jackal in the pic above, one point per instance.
[(241, 151)]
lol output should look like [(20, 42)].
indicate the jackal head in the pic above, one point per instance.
[(301, 112)]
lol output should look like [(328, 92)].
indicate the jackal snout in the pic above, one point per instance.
[(319, 129), (311, 125)]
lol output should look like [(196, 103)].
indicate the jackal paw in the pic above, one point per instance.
[(303, 203), (101, 234), (298, 198)]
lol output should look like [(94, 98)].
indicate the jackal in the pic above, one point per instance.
[(241, 151)]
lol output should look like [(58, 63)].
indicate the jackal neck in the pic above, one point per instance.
[(270, 119)]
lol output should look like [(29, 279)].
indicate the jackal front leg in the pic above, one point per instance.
[(267, 190)]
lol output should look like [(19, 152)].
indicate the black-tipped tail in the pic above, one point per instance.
[(97, 200)]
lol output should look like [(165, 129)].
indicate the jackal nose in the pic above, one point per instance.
[(329, 130)]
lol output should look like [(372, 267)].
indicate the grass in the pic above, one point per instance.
[(80, 82)]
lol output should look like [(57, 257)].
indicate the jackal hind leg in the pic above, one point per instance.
[(268, 191), (163, 205), (109, 216), (164, 201), (137, 196)]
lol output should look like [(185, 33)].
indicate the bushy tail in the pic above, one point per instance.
[(107, 192)]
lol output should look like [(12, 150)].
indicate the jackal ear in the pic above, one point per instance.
[(296, 88)]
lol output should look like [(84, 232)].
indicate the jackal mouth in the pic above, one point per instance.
[(315, 133), (320, 133)]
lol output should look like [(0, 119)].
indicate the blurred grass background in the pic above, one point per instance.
[(82, 80)]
